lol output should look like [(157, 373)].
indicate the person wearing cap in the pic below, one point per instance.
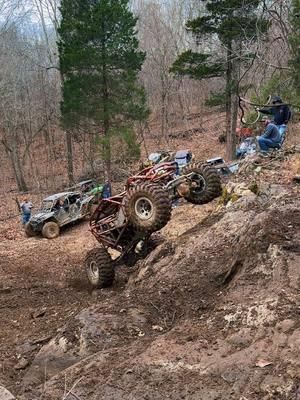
[(270, 138), (281, 112), (26, 207)]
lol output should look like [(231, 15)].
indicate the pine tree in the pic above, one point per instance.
[(232, 23), (99, 63), (295, 44)]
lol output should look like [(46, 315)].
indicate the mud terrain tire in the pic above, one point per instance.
[(99, 268), (50, 230), (29, 232), (148, 207), (210, 180)]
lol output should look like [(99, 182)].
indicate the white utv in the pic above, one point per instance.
[(56, 211)]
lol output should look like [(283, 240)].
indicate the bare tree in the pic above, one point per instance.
[(47, 12), (27, 103), (163, 36)]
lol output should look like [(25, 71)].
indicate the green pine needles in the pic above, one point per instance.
[(227, 30), (99, 63), (226, 21), (294, 62)]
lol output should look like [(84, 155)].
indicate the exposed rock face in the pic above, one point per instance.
[(5, 394), (224, 295)]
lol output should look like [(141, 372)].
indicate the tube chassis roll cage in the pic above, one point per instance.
[(102, 228), (105, 229), (154, 174), (108, 223), (119, 236)]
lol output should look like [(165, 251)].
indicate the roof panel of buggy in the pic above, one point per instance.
[(56, 196)]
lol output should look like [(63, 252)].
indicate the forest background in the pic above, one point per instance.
[(38, 153)]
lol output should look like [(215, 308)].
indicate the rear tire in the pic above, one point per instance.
[(208, 181), (99, 268), (50, 230), (29, 232), (148, 207)]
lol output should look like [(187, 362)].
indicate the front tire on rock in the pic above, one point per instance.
[(206, 181), (50, 230), (29, 232), (148, 207), (99, 268)]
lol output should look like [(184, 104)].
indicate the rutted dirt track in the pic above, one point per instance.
[(43, 285), (210, 314), (36, 296)]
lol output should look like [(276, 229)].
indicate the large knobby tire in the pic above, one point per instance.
[(50, 230), (148, 207), (207, 183), (99, 268), (29, 232)]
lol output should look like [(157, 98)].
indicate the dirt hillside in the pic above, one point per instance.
[(212, 313)]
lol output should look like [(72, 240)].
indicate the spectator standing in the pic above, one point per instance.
[(106, 193), (26, 207)]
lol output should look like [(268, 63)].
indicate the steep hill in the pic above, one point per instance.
[(212, 313)]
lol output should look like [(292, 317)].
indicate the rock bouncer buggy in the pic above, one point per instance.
[(125, 222)]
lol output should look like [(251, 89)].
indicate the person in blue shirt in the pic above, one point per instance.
[(270, 138), (106, 193), (281, 113)]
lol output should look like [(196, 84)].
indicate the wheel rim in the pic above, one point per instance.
[(52, 231), (198, 184), (93, 271), (144, 208)]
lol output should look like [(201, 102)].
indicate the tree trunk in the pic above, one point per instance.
[(164, 133), (18, 181), (141, 129), (91, 155), (69, 157), (235, 79), (69, 147), (108, 170), (234, 107), (234, 115), (17, 168), (230, 135), (106, 122)]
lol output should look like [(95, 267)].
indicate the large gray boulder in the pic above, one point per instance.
[(5, 394)]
